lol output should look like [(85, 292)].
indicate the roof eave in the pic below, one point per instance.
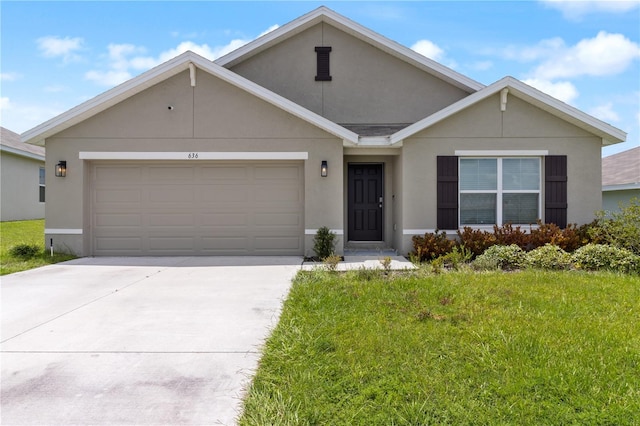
[(609, 134), (172, 67), (324, 14), (22, 153)]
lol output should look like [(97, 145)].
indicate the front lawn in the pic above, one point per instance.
[(527, 347), (24, 232)]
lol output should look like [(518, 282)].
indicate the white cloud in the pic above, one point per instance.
[(574, 10), (54, 46), (481, 65), (433, 51), (562, 90), (429, 49), (543, 49), (9, 76), (605, 54), (24, 117), (125, 58), (605, 112)]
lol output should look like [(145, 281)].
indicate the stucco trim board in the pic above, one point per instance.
[(193, 156)]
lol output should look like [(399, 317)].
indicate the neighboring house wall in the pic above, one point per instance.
[(20, 198), (484, 127), (214, 116), (368, 85), (612, 200)]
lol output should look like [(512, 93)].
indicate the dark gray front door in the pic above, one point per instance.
[(365, 185)]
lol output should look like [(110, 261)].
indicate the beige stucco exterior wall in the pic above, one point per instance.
[(20, 182), (484, 127), (368, 85), (213, 116)]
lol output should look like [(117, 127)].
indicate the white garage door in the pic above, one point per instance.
[(203, 208)]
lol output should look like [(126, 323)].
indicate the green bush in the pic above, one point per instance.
[(432, 245), (619, 228), (594, 257), (25, 251), (500, 257), (549, 256), (324, 242)]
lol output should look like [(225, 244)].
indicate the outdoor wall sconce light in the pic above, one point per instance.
[(323, 168), (61, 169)]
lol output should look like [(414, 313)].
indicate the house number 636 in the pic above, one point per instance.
[(192, 155)]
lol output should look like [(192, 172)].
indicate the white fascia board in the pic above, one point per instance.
[(99, 103), (324, 14), (373, 141), (193, 156), (621, 187), (168, 69), (608, 133), (22, 153)]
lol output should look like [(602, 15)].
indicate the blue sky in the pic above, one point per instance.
[(56, 55)]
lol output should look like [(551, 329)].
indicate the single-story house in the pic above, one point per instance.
[(321, 122), (620, 179), (22, 178)]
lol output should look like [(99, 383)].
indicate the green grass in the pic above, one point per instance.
[(457, 348), (24, 232)]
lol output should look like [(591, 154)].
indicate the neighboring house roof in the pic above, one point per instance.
[(608, 133), (324, 14), (164, 71), (10, 142), (621, 171)]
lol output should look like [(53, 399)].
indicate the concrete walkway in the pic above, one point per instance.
[(136, 340)]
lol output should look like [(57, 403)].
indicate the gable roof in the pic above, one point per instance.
[(10, 142), (324, 14), (608, 133), (621, 170), (174, 66)]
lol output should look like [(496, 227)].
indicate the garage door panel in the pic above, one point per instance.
[(118, 244), (108, 196), (116, 174), (212, 208), (118, 220), (169, 219)]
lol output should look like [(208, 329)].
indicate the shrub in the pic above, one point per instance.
[(324, 242), (507, 235), (432, 245), (500, 257), (331, 262), (549, 256), (25, 251), (603, 256), (454, 259), (476, 240), (568, 239), (621, 228)]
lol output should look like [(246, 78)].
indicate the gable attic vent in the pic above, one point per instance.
[(323, 73)]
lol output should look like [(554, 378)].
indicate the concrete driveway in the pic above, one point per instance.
[(136, 340)]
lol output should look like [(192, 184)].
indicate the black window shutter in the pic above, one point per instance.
[(447, 192), (323, 72), (555, 190)]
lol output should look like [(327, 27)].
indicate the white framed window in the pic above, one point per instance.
[(496, 191), (41, 186)]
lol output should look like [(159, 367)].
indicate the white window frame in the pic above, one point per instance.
[(499, 191)]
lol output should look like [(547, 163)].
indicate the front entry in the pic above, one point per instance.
[(365, 202)]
